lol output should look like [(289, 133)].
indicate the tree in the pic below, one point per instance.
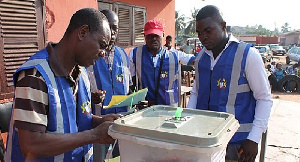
[(191, 24), (251, 30), (285, 28), (276, 32), (179, 23)]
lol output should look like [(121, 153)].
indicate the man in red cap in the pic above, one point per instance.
[(156, 68)]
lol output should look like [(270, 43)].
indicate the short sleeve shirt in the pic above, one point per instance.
[(31, 94)]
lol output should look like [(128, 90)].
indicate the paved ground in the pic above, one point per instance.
[(283, 139)]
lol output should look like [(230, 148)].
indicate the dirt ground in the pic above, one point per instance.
[(286, 96)]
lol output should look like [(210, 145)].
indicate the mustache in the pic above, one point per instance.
[(154, 41)]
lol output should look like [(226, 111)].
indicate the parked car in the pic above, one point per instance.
[(272, 46), (278, 50), (265, 53), (293, 55)]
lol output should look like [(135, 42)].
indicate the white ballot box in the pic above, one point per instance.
[(154, 134)]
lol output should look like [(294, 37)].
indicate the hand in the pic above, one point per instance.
[(101, 132), (248, 151), (141, 105), (110, 117), (97, 120), (98, 96)]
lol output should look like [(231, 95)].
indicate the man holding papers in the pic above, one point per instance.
[(112, 71), (111, 75)]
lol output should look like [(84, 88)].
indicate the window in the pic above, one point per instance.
[(131, 22), (292, 50), (22, 35), (298, 51)]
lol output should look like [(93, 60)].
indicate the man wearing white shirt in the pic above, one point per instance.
[(183, 57), (168, 45), (231, 77), (155, 68), (273, 66)]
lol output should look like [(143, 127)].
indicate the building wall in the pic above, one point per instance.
[(58, 14), (292, 39), (267, 40), (258, 39), (161, 10)]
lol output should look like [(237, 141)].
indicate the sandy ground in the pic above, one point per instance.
[(286, 96)]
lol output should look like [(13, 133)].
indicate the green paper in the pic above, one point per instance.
[(178, 112), (132, 97), (127, 100)]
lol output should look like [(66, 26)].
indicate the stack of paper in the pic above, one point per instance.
[(125, 100)]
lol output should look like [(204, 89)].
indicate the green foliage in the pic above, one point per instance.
[(259, 30), (186, 26), (190, 29), (285, 28), (179, 23)]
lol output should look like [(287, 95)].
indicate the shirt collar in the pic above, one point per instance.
[(230, 40), (158, 53)]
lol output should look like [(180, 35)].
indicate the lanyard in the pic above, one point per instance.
[(159, 73)]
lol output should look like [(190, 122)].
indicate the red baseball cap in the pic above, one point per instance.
[(153, 27)]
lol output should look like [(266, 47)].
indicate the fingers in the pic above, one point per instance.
[(240, 151), (111, 117), (99, 92), (115, 116), (103, 136), (98, 96)]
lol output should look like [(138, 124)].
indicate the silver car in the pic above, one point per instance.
[(293, 55), (265, 53), (278, 50)]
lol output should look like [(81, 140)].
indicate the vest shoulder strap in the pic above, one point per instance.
[(138, 66)]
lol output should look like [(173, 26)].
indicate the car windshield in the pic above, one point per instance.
[(261, 49), (274, 46)]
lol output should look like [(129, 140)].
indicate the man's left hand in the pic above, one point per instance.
[(97, 120), (248, 151), (110, 117), (97, 96)]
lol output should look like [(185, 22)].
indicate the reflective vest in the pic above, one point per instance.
[(115, 82), (147, 75), (64, 116), (225, 88)]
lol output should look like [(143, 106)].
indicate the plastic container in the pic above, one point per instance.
[(153, 134)]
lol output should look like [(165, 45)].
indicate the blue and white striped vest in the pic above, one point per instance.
[(147, 75), (225, 88), (115, 82), (65, 114)]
